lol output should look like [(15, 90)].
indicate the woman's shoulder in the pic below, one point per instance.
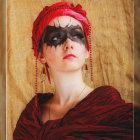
[(29, 120), (107, 89), (108, 94), (32, 109)]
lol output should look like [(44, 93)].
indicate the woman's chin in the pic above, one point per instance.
[(71, 68)]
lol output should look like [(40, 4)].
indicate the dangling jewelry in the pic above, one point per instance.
[(47, 71), (43, 78), (90, 52), (85, 70), (36, 79), (43, 74)]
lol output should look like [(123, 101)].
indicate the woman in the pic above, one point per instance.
[(61, 42)]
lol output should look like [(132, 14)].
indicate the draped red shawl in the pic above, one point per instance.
[(102, 114)]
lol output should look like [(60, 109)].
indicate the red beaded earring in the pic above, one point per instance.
[(86, 70), (36, 76), (44, 73), (48, 75), (90, 51)]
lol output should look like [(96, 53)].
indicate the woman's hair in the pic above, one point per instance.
[(53, 11)]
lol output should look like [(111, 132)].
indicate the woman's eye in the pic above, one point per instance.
[(75, 36), (54, 38), (78, 36)]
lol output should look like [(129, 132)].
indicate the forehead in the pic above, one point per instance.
[(63, 21)]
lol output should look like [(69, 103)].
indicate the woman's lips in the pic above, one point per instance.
[(69, 56)]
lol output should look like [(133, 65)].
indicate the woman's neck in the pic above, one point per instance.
[(68, 86)]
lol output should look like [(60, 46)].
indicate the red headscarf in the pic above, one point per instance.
[(56, 10)]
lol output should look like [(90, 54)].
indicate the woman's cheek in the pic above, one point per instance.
[(50, 58), (80, 51)]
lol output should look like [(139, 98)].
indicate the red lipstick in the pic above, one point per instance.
[(69, 56)]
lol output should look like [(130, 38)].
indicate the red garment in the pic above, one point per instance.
[(102, 114)]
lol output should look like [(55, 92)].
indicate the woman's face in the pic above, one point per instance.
[(64, 49)]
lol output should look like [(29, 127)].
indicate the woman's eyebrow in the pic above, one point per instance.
[(74, 27), (77, 27), (51, 29)]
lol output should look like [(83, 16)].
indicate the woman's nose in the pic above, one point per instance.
[(68, 44)]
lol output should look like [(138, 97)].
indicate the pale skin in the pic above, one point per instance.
[(66, 73)]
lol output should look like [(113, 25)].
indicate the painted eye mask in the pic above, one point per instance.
[(58, 35)]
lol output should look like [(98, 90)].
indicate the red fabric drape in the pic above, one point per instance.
[(100, 115)]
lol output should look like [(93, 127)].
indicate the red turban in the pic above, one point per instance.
[(56, 10)]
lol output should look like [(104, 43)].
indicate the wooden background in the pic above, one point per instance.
[(112, 41), (2, 70)]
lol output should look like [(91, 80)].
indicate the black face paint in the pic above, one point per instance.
[(55, 36)]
